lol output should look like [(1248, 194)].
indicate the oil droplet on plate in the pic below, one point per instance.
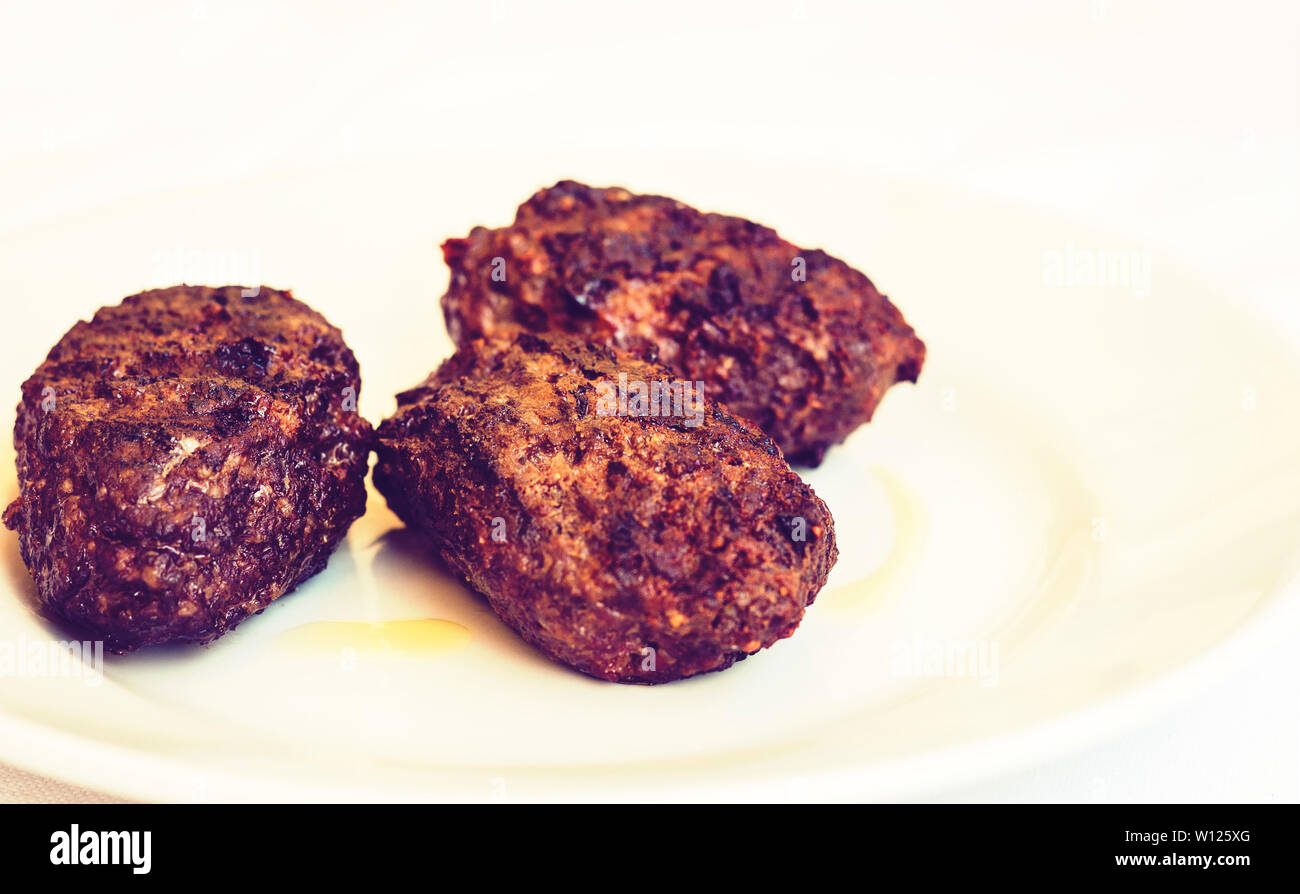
[(909, 536), (414, 636)]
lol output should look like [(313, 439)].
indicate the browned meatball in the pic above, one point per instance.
[(792, 339), (635, 539), (185, 458)]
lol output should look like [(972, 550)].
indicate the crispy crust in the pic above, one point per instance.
[(616, 534), (185, 458), (714, 297)]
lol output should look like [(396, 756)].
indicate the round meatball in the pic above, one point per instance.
[(185, 458)]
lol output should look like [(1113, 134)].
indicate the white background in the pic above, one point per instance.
[(1171, 124)]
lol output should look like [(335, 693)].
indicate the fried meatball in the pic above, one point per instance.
[(635, 539), (185, 458), (792, 339)]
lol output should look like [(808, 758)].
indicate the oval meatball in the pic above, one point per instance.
[(793, 339), (620, 520), (185, 458)]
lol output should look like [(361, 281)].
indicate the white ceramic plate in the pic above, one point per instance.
[(1091, 500)]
